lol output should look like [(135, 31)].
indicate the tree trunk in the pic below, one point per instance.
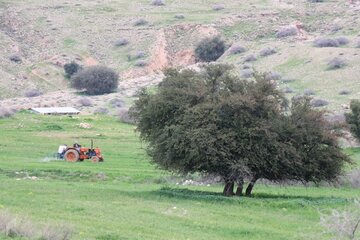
[(239, 190), (250, 186), (229, 188)]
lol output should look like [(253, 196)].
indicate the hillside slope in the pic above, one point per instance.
[(45, 35)]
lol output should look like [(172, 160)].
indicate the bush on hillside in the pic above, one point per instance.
[(95, 80), (250, 58), (267, 51), (326, 42), (15, 58), (336, 63), (287, 32), (85, 102), (121, 42), (353, 118), (71, 68), (210, 49), (179, 16), (158, 2), (344, 92), (237, 49), (6, 113), (33, 93), (140, 22), (319, 102), (124, 117), (117, 103), (342, 40), (358, 43), (309, 92), (218, 7)]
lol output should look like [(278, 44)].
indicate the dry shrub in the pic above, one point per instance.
[(344, 92), (342, 40), (267, 51), (158, 2), (218, 7), (85, 102), (179, 16), (309, 92), (247, 73), (343, 224), (326, 42), (101, 111), (272, 76), (141, 63), (33, 93), (140, 22), (6, 113), (287, 32), (121, 42), (139, 54), (336, 63), (123, 115), (250, 58), (51, 232), (237, 49), (319, 102)]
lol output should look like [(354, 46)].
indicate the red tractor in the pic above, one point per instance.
[(79, 153)]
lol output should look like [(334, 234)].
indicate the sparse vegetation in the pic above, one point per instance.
[(140, 22), (158, 2), (95, 80), (85, 102), (101, 111), (121, 42), (287, 32), (15, 58), (250, 58), (33, 93), (344, 92), (6, 113), (272, 76), (218, 7), (336, 63), (141, 63), (326, 42), (237, 49), (210, 49), (319, 102), (342, 40), (247, 73), (179, 16), (288, 90), (309, 92), (267, 51)]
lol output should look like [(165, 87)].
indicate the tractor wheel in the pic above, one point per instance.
[(95, 159), (71, 155)]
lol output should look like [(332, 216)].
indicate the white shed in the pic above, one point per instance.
[(56, 111)]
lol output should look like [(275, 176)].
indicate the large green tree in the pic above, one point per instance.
[(213, 122)]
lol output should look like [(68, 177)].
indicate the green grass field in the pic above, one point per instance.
[(127, 198)]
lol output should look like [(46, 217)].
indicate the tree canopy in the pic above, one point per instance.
[(213, 122)]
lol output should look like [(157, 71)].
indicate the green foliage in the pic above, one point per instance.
[(71, 69), (353, 118), (213, 122), (95, 80), (210, 49)]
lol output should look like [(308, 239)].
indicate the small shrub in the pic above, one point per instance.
[(250, 58), (158, 2), (179, 16), (236, 49), (309, 92), (121, 42), (247, 73), (15, 58), (358, 43), (218, 7), (71, 69), (288, 90), (267, 51), (342, 40), (319, 103), (141, 63), (85, 102), (336, 63), (272, 76), (354, 178), (246, 66), (123, 115), (344, 92), (101, 111), (33, 93), (326, 42), (287, 32), (140, 22), (210, 49), (95, 80), (6, 113), (117, 103), (139, 54)]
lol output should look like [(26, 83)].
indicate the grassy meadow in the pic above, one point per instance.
[(128, 198)]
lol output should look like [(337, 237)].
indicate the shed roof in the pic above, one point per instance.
[(56, 110)]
